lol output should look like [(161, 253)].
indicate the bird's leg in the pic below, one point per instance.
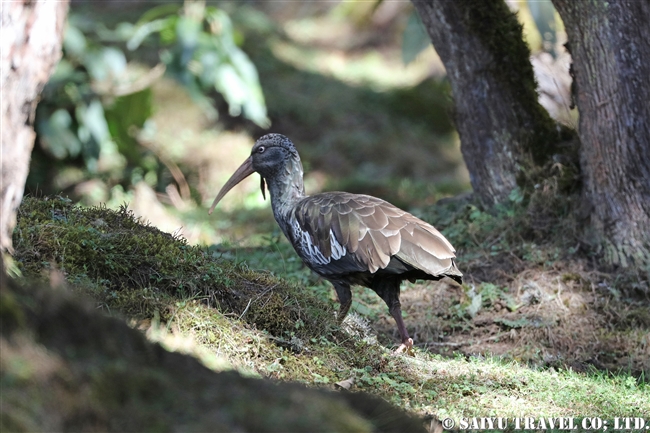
[(388, 290), (345, 299), (407, 342)]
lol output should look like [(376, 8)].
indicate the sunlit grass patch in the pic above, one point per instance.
[(482, 386)]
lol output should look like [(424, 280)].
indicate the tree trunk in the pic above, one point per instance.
[(31, 47), (610, 45), (500, 122)]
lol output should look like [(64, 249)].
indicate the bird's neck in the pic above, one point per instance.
[(286, 188)]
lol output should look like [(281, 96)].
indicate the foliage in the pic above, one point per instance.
[(95, 110), (517, 226), (202, 53), (397, 141), (264, 326), (415, 38)]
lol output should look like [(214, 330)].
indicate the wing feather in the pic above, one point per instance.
[(343, 225), (323, 224), (377, 220), (374, 231)]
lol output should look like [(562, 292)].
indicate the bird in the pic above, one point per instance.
[(348, 239)]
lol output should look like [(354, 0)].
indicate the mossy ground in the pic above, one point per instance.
[(231, 317), (139, 270), (66, 367)]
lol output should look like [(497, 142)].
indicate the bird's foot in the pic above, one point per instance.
[(405, 347)]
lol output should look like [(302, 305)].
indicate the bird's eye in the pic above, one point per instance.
[(261, 149)]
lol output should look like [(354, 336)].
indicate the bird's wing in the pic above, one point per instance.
[(373, 230)]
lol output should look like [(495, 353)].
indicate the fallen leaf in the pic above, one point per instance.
[(345, 384)]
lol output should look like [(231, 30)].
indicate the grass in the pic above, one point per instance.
[(231, 317), (66, 367)]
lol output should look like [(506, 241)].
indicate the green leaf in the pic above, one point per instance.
[(232, 88), (363, 309), (187, 32), (92, 117), (519, 323), (74, 41), (159, 11), (142, 31), (253, 104), (516, 196), (57, 137), (129, 112), (475, 305), (93, 132), (210, 64), (220, 20), (414, 39), (105, 63)]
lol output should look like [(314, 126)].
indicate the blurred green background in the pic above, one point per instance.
[(155, 104)]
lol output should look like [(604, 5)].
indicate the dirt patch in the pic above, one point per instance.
[(560, 317)]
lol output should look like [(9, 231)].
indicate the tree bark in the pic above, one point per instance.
[(31, 46), (610, 45), (502, 127)]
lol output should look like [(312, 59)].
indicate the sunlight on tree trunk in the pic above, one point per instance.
[(500, 122), (610, 45), (31, 47)]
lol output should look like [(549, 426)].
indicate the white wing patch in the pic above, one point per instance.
[(338, 250), (312, 251)]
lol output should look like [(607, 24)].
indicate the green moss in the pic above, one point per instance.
[(70, 368), (502, 35), (178, 286), (133, 267)]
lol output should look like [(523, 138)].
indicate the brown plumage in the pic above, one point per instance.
[(375, 230), (348, 238)]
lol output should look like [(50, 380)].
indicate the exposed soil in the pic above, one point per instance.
[(560, 317)]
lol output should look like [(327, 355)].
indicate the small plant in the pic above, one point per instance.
[(94, 115), (200, 51)]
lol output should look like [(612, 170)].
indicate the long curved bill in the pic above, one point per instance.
[(244, 170)]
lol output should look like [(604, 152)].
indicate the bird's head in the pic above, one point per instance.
[(269, 158), (271, 153)]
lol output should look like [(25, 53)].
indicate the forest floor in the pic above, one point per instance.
[(544, 344)]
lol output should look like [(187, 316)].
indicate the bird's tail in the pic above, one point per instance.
[(454, 273)]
